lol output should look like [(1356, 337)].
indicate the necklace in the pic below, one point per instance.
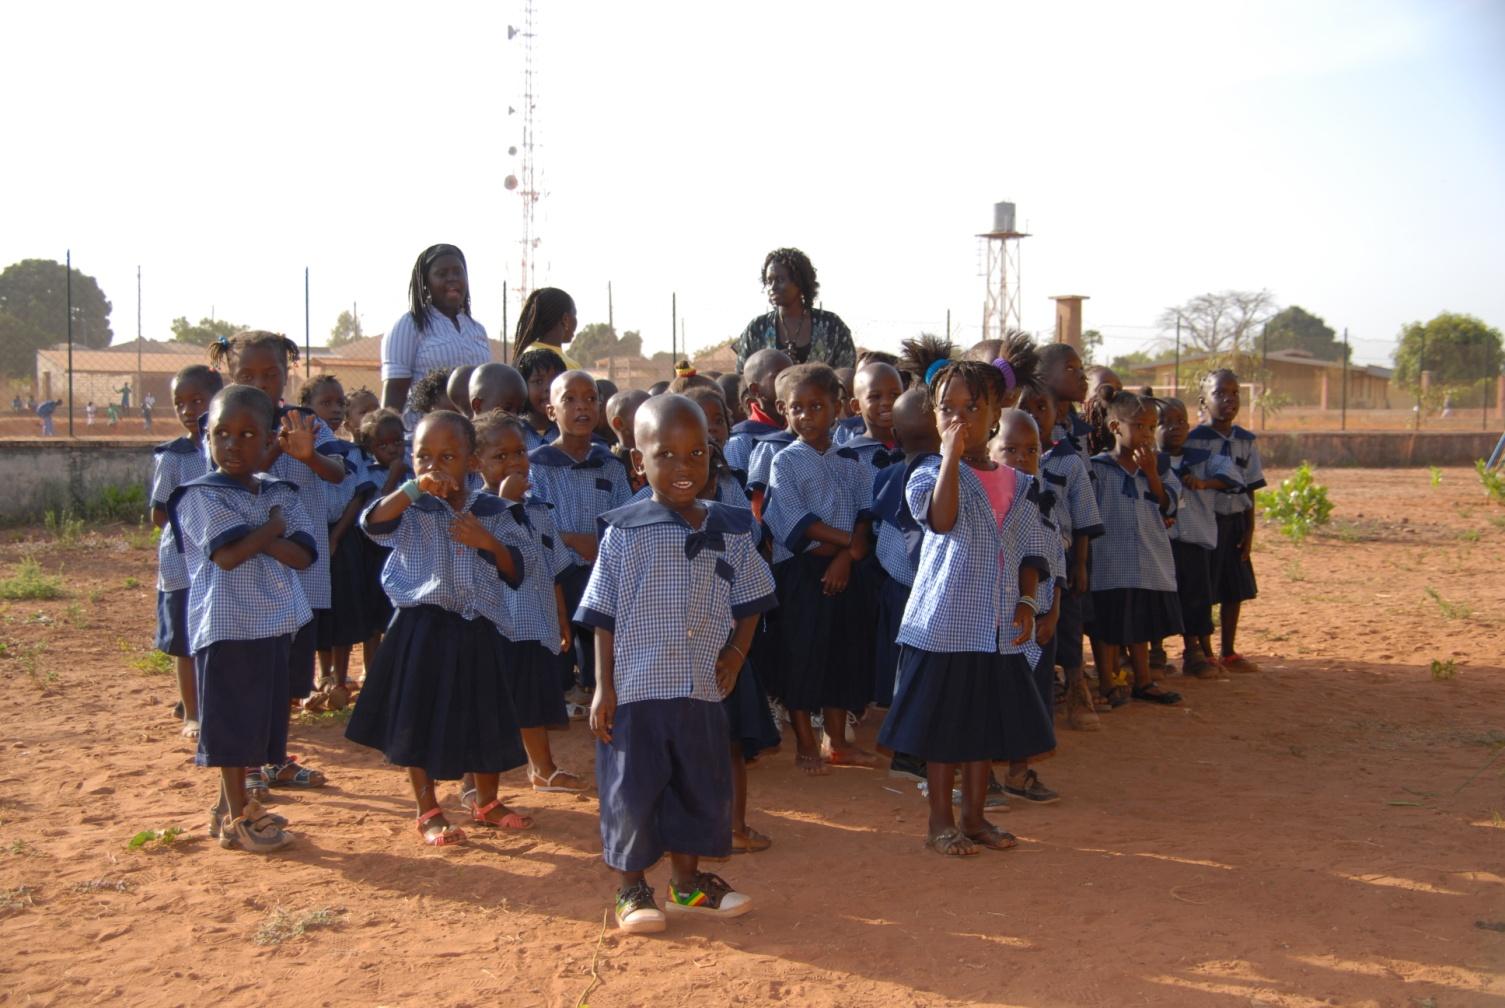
[(790, 340)]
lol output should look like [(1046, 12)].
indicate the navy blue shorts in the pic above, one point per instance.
[(573, 582), (665, 781), (893, 597), (300, 659), (1068, 636), (242, 702), (172, 623)]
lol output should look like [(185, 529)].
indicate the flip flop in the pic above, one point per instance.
[(750, 842), (1163, 697), (993, 838), (951, 842), (547, 784)]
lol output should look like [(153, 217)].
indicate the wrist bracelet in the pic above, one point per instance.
[(1029, 604), (738, 650), (412, 489)]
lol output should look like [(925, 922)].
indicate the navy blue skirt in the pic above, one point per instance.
[(300, 659), (1193, 586), (820, 668), (533, 678), (379, 609), (172, 623), (1232, 575), (436, 697), (1134, 615), (892, 598), (748, 719), (965, 706), (573, 582), (242, 702), (347, 620)]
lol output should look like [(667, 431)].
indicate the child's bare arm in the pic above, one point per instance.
[(232, 554), (583, 543), (289, 553), (159, 516), (564, 617), (604, 703), (729, 662)]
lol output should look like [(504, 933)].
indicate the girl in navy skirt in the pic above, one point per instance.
[(173, 464), (817, 507), (965, 696), (1232, 572), (1134, 597), (536, 625), (436, 699)]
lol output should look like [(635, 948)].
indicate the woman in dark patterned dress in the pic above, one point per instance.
[(795, 325)]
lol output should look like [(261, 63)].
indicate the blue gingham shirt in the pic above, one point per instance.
[(1135, 549), (1238, 446), (581, 492), (739, 446), (1045, 588), (407, 352), (533, 439), (1073, 430), (760, 462), (531, 612), (314, 496), (1197, 520), (260, 598), (966, 584), (173, 464), (872, 451), (728, 491), (806, 486), (899, 535), (427, 567), (338, 496), (671, 595), (847, 428), (1073, 507)]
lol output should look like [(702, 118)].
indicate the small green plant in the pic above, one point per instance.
[(1298, 505), (161, 838), (282, 926), (1293, 571), (144, 536), (153, 663), (64, 526), (326, 717), (96, 596), (132, 582), (75, 616), (1493, 482), (30, 583), (1435, 473), (1444, 670), (21, 848), (12, 900), (1450, 610), (1469, 535), (117, 503)]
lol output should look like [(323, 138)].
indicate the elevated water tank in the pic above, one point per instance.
[(1003, 216)]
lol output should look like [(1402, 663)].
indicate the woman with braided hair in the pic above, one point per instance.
[(547, 322), (435, 332), (806, 333)]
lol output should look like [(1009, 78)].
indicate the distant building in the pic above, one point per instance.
[(1302, 379)]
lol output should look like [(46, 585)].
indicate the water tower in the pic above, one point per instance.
[(1000, 307)]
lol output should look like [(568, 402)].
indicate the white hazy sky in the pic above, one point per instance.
[(1350, 156)]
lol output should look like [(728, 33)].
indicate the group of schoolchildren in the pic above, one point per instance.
[(931, 533)]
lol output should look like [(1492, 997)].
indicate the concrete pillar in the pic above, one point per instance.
[(1499, 402), (1069, 319), (1323, 392)]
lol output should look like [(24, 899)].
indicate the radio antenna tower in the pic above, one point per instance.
[(1000, 307), (528, 189)]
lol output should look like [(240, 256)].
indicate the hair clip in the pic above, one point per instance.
[(935, 368), (1009, 378), (224, 342)]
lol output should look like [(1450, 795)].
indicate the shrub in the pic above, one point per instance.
[(1494, 483), (1298, 505)]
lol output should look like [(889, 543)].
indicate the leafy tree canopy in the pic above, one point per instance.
[(1221, 323), (1295, 328), (1092, 345), (597, 341), (34, 312), (347, 329), (207, 331), (1458, 350)]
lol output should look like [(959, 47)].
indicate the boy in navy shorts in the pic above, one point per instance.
[(674, 598)]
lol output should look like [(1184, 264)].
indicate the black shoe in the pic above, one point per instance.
[(907, 766)]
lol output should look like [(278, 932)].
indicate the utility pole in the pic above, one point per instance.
[(673, 331), (611, 326), (1343, 422), (308, 362), (1176, 374), (68, 273), (140, 388)]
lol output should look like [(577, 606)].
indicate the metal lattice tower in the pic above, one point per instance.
[(1000, 307), (528, 189)]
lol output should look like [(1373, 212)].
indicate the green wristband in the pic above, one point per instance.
[(412, 489)]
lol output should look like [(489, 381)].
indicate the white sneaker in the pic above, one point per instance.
[(712, 897), (637, 913)]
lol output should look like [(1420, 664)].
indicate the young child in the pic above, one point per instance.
[(878, 385), (818, 509), (497, 386), (582, 480), (358, 402), (173, 464), (1067, 487), (536, 625), (243, 535), (539, 368), (620, 410), (674, 598), (1194, 536), (731, 391), (965, 695), (1133, 575), (457, 388), (89, 411), (431, 392), (1232, 573), (759, 375), (436, 699), (384, 468), (1095, 408), (306, 454)]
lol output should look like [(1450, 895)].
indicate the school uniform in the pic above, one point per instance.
[(760, 462), (241, 622), (1063, 473), (529, 622), (965, 691), (848, 428), (345, 623), (437, 695), (580, 492), (533, 439), (1133, 573), (869, 579), (378, 607), (1194, 537), (1073, 431), (1042, 657), (1232, 576), (739, 445), (173, 464), (671, 596), (823, 664), (897, 552)]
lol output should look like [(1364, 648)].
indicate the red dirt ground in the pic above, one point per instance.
[(1319, 833)]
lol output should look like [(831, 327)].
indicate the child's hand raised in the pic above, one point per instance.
[(514, 487), (1144, 458), (296, 437), (437, 484), (954, 438), (603, 711), (467, 530)]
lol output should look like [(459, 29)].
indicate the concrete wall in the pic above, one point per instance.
[(57, 474), (1376, 449)]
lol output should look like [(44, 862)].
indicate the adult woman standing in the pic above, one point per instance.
[(436, 331), (796, 326), (547, 322)]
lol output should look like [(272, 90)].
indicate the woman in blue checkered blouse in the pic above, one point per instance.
[(435, 332)]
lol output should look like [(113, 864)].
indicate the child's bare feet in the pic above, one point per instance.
[(190, 729), (812, 764), (853, 756)]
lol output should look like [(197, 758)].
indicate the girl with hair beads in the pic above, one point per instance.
[(1232, 573), (965, 696), (173, 464), (536, 625), (308, 455), (358, 402), (1194, 537), (547, 322), (1133, 575), (817, 507), (436, 700)]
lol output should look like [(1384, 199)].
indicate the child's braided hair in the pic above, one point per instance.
[(227, 349)]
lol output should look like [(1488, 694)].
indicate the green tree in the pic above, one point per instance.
[(597, 341), (1459, 350), (207, 331), (1222, 324), (1295, 328), (34, 312), (1092, 343), (347, 328), (1132, 359)]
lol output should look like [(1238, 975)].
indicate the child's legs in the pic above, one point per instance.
[(938, 777), (1139, 654), (326, 663), (424, 793), (340, 666), (1105, 658), (682, 871), (1228, 626), (540, 754), (974, 793), (805, 742), (232, 790), (739, 790), (188, 690)]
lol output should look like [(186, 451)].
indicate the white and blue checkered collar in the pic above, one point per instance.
[(780, 436), (1209, 431), (184, 445), (477, 502), (556, 457), (263, 482), (718, 517)]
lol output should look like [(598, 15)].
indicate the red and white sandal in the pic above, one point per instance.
[(449, 836)]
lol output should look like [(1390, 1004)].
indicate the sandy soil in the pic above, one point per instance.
[(1320, 833)]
